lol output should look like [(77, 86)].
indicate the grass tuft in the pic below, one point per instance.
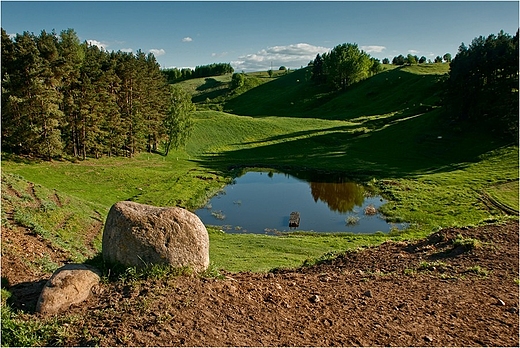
[(478, 270), (467, 243), (433, 266), (152, 272)]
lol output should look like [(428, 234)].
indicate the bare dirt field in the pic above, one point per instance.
[(459, 287)]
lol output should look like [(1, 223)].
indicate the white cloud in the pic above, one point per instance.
[(187, 39), (219, 55), (97, 43), (291, 56), (413, 51), (373, 49), (11, 36), (126, 50), (157, 52)]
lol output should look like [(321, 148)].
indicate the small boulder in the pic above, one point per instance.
[(70, 284), (141, 235)]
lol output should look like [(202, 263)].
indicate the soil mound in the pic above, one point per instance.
[(458, 287)]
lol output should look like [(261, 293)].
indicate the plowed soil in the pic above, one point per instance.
[(458, 287)]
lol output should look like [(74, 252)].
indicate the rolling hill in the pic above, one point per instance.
[(295, 95)]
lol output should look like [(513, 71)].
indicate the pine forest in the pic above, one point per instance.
[(63, 97)]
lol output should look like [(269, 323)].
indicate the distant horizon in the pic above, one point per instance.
[(253, 36)]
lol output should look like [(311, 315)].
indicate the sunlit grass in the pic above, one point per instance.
[(506, 193), (261, 253)]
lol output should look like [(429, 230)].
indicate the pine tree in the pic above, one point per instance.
[(31, 114), (48, 98), (9, 112), (156, 106), (318, 74), (72, 54), (60, 95), (115, 132)]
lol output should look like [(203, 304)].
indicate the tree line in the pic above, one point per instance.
[(414, 59), (482, 87), (344, 65), (64, 97), (175, 75)]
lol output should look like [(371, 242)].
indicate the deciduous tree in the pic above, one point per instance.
[(178, 122), (346, 64)]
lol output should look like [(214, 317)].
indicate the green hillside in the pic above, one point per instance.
[(409, 89), (207, 87), (210, 91)]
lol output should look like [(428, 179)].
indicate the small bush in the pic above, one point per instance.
[(47, 206), (212, 272), (46, 264), (327, 257)]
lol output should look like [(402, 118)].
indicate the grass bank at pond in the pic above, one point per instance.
[(255, 252)]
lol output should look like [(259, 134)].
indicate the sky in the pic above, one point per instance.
[(255, 36)]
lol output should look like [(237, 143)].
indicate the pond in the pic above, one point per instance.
[(262, 202)]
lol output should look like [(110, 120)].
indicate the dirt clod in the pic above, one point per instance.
[(314, 299)]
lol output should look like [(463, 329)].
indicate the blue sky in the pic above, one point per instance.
[(253, 35)]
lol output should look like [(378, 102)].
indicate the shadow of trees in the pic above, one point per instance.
[(211, 89), (387, 92), (393, 147)]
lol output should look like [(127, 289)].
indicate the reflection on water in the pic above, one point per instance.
[(340, 197), (261, 202)]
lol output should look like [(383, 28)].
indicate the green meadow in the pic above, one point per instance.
[(388, 131)]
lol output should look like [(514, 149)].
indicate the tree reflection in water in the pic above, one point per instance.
[(340, 197)]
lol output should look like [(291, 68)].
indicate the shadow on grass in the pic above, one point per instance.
[(296, 96), (20, 159), (24, 296), (403, 147), (299, 134), (211, 89)]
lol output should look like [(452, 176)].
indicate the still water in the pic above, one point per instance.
[(261, 202)]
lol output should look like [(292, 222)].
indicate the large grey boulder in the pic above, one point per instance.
[(70, 284), (141, 235)]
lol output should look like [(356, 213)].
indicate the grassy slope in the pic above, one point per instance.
[(207, 87), (401, 89), (217, 88), (431, 181), (52, 215)]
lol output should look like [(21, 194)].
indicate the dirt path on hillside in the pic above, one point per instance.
[(427, 293)]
